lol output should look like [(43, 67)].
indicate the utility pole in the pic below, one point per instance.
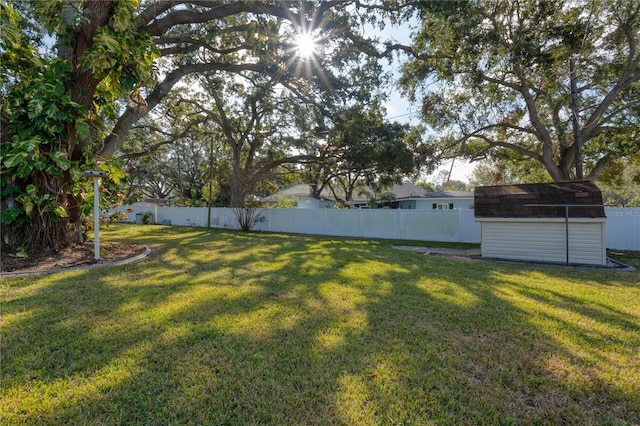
[(96, 175), (210, 182)]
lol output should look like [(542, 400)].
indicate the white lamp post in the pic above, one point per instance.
[(96, 175)]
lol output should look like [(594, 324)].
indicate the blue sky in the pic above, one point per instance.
[(400, 109)]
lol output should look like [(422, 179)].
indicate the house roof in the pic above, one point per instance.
[(406, 190), (401, 191), (449, 194), (584, 198), (410, 191), (298, 191)]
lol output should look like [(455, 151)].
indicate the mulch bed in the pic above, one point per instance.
[(79, 255)]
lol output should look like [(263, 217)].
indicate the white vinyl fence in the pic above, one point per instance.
[(623, 228), (458, 225)]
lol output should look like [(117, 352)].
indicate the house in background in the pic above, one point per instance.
[(446, 200), (405, 196), (302, 193), (402, 194), (412, 197)]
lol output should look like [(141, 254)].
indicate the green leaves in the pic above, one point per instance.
[(495, 74), (45, 127), (33, 202), (39, 107), (13, 215), (120, 56), (59, 211), (34, 108), (14, 160), (114, 169), (20, 157), (82, 128), (60, 159), (17, 55), (40, 117), (27, 204)]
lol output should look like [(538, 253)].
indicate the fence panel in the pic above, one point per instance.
[(309, 221), (470, 230), (459, 225), (623, 228), (378, 223), (280, 220), (341, 222), (431, 225), (183, 216), (224, 218)]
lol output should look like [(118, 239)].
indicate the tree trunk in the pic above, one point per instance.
[(237, 184), (575, 110), (47, 231)]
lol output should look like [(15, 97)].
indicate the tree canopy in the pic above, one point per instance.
[(620, 182), (77, 76), (550, 80)]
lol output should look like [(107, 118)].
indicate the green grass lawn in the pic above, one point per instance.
[(220, 327)]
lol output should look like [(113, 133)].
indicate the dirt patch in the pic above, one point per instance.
[(620, 259), (78, 255)]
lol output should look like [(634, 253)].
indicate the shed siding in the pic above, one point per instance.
[(544, 240)]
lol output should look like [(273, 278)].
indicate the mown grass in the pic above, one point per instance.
[(220, 327)]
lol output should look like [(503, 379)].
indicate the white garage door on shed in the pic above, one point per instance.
[(544, 240)]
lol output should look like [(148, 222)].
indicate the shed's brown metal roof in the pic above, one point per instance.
[(584, 198)]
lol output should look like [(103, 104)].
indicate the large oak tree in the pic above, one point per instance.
[(550, 80), (77, 75)]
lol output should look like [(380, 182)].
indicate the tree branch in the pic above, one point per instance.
[(154, 147), (216, 10), (599, 167), (629, 74), (116, 138), (193, 44), (492, 143)]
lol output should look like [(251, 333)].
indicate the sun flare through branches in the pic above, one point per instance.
[(305, 45)]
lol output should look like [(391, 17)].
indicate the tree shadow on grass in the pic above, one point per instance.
[(227, 328)]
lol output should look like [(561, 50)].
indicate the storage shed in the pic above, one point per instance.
[(560, 222)]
